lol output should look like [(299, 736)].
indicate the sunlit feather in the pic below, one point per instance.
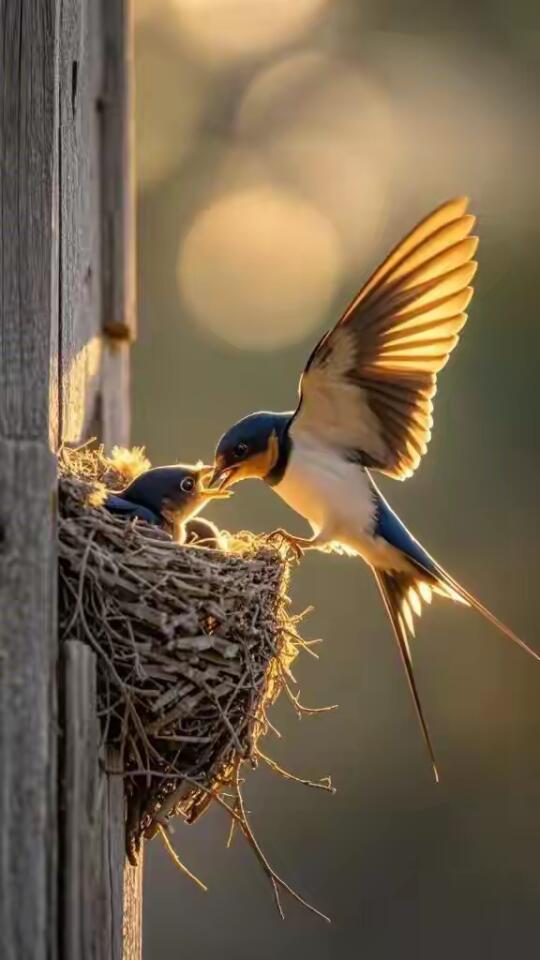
[(369, 383)]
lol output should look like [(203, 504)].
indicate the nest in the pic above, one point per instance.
[(193, 645)]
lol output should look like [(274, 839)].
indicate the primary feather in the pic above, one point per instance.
[(369, 383)]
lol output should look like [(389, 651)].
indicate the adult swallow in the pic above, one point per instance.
[(169, 497), (365, 403)]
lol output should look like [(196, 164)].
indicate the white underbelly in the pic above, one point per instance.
[(333, 494)]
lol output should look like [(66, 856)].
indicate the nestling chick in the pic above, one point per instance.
[(168, 497), (203, 532)]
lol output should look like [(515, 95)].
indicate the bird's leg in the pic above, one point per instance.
[(297, 544)]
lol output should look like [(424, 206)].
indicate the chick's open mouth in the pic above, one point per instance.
[(208, 487)]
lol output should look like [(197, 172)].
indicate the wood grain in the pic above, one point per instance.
[(94, 401), (94, 922), (81, 822), (133, 900), (59, 378), (118, 181), (28, 240), (28, 721), (80, 80), (28, 354)]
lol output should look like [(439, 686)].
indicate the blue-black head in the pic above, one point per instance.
[(177, 491), (257, 446)]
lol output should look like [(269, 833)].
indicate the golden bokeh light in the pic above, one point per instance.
[(346, 186), (239, 168), (226, 30), (460, 132), (144, 10), (259, 267), (311, 88), (326, 130), (169, 96)]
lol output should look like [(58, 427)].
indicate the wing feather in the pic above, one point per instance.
[(369, 383), (446, 213)]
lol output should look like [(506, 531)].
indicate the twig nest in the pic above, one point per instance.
[(192, 644)]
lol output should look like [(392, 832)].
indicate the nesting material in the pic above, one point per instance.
[(192, 644)]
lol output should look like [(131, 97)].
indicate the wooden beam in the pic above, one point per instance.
[(28, 354), (96, 254), (133, 901), (81, 347), (28, 722), (118, 214), (94, 829), (28, 222), (117, 176), (64, 120)]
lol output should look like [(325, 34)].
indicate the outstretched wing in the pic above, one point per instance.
[(369, 383)]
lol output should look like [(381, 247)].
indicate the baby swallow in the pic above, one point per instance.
[(168, 497), (365, 403)]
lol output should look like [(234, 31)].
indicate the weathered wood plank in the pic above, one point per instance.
[(115, 423), (28, 354), (133, 899), (58, 376), (118, 320), (28, 261), (97, 214), (80, 800), (118, 181), (94, 401), (80, 215), (113, 851), (28, 723), (93, 813)]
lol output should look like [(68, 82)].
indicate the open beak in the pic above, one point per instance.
[(223, 477), (209, 476)]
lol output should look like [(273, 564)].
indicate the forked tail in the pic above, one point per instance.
[(403, 595)]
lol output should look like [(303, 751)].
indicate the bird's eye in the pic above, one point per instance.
[(187, 484), (240, 450)]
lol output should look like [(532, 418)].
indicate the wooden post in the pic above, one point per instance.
[(66, 312)]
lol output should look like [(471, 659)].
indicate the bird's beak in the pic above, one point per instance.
[(208, 479), (222, 476)]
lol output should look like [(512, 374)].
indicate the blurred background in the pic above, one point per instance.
[(282, 147)]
